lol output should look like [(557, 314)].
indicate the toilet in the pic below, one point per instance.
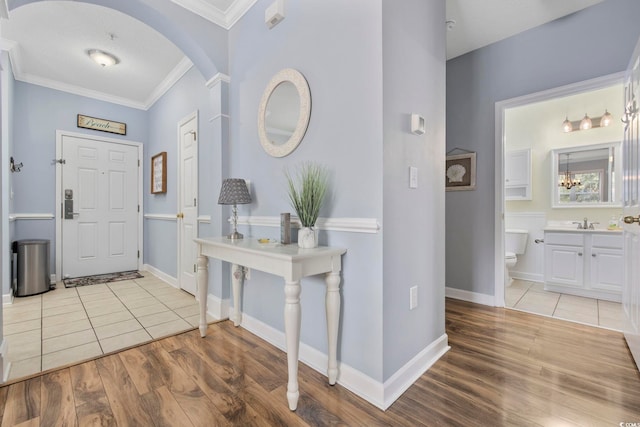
[(515, 243)]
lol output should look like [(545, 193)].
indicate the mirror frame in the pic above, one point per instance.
[(297, 79), (617, 173)]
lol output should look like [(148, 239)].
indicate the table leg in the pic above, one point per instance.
[(237, 280), (332, 306), (292, 335), (202, 280)]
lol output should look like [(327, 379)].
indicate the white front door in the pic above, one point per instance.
[(99, 192), (188, 202), (631, 210)]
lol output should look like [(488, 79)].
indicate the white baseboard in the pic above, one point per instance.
[(161, 275), (7, 299), (414, 369), (378, 394), (5, 365), (217, 308), (469, 296), (530, 277)]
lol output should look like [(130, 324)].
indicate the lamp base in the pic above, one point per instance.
[(235, 236)]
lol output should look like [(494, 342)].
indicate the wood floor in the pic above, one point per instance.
[(504, 368)]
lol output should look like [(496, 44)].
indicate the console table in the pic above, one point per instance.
[(291, 263)]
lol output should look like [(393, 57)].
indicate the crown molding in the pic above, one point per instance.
[(4, 9), (172, 78), (224, 19), (220, 77)]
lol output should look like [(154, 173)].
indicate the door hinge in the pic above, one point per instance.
[(138, 162), (138, 208), (194, 268), (138, 254), (194, 202)]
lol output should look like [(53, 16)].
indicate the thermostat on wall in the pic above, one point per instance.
[(274, 14), (417, 124)]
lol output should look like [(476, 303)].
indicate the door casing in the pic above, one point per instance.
[(58, 211)]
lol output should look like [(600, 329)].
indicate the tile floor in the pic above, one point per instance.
[(67, 325), (531, 297)]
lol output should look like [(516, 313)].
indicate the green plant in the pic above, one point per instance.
[(307, 188)]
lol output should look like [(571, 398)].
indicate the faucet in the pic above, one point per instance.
[(585, 224), (591, 225)]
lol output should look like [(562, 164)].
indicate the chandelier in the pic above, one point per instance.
[(566, 181)]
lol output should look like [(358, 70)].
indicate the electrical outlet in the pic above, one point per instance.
[(413, 297), (413, 177)]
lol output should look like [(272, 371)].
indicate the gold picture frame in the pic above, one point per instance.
[(159, 173), (460, 172)]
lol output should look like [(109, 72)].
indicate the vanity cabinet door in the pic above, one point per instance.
[(607, 269), (564, 265)]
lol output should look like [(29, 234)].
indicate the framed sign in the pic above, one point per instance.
[(102, 125), (460, 170), (159, 173)]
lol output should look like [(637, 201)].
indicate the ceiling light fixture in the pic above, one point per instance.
[(587, 123), (102, 58)]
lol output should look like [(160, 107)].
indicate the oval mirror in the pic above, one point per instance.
[(284, 112)]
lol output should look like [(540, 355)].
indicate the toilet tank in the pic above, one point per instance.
[(515, 240)]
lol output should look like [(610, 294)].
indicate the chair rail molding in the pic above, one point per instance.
[(30, 216), (353, 225)]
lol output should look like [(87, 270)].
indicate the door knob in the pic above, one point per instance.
[(180, 215), (632, 219)]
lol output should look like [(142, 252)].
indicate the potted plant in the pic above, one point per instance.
[(307, 188)]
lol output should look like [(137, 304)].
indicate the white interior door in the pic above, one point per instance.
[(100, 194), (631, 198), (188, 202)]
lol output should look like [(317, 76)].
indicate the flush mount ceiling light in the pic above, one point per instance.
[(102, 58), (587, 123)]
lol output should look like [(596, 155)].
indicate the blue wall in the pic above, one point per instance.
[(414, 82), (594, 42), (38, 113)]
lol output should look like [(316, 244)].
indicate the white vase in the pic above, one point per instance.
[(308, 237)]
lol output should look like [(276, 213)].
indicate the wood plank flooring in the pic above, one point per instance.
[(505, 368)]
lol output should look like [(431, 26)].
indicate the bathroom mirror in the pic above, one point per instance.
[(587, 176), (284, 112)]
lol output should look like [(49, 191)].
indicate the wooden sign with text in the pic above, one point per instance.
[(102, 125)]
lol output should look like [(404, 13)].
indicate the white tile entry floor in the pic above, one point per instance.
[(531, 297), (68, 325)]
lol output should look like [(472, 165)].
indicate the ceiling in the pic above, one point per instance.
[(48, 41)]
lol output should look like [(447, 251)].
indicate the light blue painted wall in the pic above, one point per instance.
[(414, 82), (340, 54), (38, 113), (594, 42), (188, 95)]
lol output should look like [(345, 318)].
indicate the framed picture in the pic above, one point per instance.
[(102, 125), (159, 173), (460, 172)]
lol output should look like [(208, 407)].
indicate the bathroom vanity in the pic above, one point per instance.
[(586, 263)]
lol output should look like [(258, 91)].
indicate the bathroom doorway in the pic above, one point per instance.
[(528, 128)]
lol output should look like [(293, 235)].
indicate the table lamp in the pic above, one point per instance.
[(234, 192)]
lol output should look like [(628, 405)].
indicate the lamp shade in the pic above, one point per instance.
[(234, 191)]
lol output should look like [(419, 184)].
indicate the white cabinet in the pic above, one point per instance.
[(517, 175), (586, 263)]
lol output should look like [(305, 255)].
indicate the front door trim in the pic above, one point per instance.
[(58, 209)]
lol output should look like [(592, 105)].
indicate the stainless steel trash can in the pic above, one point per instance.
[(33, 267)]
